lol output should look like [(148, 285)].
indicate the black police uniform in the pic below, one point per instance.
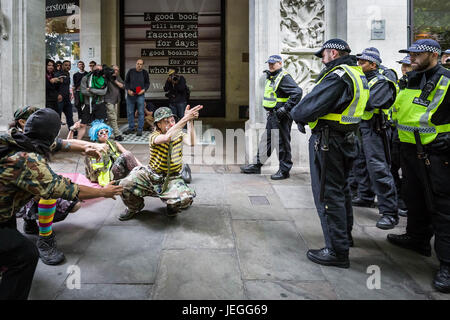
[(379, 178), (422, 223), (282, 121), (332, 95)]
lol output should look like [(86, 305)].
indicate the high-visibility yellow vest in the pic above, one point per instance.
[(104, 176), (354, 111), (270, 96), (412, 114), (369, 114)]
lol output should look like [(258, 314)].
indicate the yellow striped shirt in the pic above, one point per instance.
[(159, 154)]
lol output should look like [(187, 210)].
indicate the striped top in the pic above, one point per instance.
[(159, 154)]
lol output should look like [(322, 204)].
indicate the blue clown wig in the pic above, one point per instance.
[(96, 126)]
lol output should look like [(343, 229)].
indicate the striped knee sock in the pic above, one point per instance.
[(46, 209)]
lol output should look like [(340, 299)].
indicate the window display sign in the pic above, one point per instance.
[(184, 35), (60, 8)]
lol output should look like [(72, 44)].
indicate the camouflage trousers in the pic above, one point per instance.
[(143, 182)]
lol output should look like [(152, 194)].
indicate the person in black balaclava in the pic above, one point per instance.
[(25, 173)]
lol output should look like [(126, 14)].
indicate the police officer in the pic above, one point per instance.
[(281, 94), (395, 142), (333, 110), (445, 59), (422, 112), (376, 136)]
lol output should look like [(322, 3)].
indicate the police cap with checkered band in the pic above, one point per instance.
[(423, 45), (337, 44)]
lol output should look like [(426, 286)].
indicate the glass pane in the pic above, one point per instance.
[(432, 20)]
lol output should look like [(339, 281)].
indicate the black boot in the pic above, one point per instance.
[(328, 257), (358, 202), (402, 212), (251, 169), (48, 252), (280, 175), (30, 226), (407, 242), (387, 222), (442, 279)]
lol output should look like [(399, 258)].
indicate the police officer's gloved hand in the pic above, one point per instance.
[(441, 143), (301, 127), (282, 113)]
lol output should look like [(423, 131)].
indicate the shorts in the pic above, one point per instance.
[(98, 113)]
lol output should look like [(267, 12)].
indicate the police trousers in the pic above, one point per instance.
[(378, 169), (282, 129), (335, 212), (18, 260), (422, 222)]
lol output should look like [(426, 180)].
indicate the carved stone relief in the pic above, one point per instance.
[(302, 29), (3, 33)]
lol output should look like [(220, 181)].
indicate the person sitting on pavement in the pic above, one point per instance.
[(115, 164), (24, 174), (39, 209), (161, 178)]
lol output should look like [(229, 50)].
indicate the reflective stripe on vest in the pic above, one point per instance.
[(270, 97), (353, 113), (369, 114), (412, 114)]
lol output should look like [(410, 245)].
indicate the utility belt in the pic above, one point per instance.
[(335, 127)]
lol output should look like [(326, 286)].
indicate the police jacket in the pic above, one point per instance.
[(332, 95), (382, 94), (287, 88)]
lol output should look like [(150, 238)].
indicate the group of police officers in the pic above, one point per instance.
[(367, 125)]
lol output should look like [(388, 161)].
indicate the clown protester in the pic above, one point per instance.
[(115, 164)]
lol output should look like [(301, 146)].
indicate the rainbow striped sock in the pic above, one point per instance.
[(46, 210)]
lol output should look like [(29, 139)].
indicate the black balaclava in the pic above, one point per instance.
[(41, 130)]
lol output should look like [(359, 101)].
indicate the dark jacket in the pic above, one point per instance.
[(176, 93), (64, 87), (287, 88), (51, 91), (332, 95), (382, 94), (136, 79)]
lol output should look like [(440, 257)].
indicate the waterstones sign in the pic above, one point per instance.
[(60, 8)]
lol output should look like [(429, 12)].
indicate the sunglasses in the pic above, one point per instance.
[(103, 131)]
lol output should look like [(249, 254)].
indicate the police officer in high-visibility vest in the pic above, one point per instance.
[(281, 94), (333, 111), (376, 142), (422, 113)]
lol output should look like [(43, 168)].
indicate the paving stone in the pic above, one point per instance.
[(200, 227), (122, 255), (420, 268), (49, 280), (352, 283), (107, 292), (294, 197), (198, 275), (273, 250), (289, 290), (209, 189), (241, 207), (439, 296)]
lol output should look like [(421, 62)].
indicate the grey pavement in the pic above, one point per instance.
[(245, 237)]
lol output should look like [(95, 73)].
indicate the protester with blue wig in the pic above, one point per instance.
[(115, 164)]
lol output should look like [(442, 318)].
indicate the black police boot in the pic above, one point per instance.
[(442, 279), (48, 252), (251, 168), (387, 222), (402, 212), (280, 175), (407, 242), (358, 202), (328, 257), (30, 226)]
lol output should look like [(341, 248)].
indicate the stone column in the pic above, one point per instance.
[(263, 41), (91, 31), (22, 57)]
